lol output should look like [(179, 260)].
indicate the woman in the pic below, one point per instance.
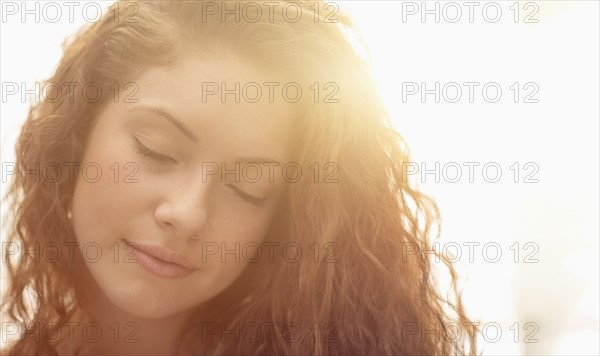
[(221, 178)]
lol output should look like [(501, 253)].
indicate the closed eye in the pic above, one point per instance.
[(247, 197), (145, 151)]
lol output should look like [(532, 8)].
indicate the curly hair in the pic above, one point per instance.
[(381, 295)]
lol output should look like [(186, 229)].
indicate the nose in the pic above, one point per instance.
[(184, 210)]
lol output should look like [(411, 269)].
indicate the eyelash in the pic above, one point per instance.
[(247, 197), (145, 151)]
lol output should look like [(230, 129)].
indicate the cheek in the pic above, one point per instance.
[(238, 222), (236, 239), (106, 195)]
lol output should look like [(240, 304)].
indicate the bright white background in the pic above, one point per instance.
[(558, 134)]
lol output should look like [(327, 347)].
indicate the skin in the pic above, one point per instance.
[(171, 205)]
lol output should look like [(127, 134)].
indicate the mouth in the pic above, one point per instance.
[(160, 261)]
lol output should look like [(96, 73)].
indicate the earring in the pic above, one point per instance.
[(69, 215)]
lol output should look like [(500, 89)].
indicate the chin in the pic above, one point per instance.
[(143, 304), (138, 298)]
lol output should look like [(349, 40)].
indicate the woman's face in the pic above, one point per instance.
[(163, 195)]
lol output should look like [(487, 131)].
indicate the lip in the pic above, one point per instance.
[(160, 260)]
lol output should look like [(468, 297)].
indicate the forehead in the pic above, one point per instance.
[(221, 100)]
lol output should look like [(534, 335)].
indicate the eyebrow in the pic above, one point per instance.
[(189, 134), (171, 118)]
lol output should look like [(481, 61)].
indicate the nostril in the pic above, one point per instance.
[(181, 220)]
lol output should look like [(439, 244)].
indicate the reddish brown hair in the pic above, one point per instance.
[(372, 215)]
